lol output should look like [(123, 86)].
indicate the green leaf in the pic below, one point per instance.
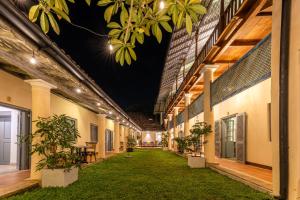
[(118, 55), (62, 14), (133, 37), (157, 32), (44, 23), (189, 24), (127, 57), (88, 2), (166, 26), (180, 20), (175, 15), (113, 25), (132, 53), (164, 18), (58, 5), (123, 16), (115, 41), (114, 32), (72, 1), (51, 3), (53, 23), (199, 9), (140, 38), (122, 56), (147, 29), (194, 2), (34, 13), (65, 6), (104, 2), (193, 15), (108, 13)]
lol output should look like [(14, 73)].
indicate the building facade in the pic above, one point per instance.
[(37, 79), (237, 73)]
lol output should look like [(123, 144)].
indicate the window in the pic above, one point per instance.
[(94, 133)]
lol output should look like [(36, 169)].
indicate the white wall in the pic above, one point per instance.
[(254, 102), (14, 133)]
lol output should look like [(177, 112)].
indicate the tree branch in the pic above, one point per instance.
[(129, 21)]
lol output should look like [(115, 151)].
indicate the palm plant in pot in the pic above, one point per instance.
[(164, 141), (59, 162), (195, 144)]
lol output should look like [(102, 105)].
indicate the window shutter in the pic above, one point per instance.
[(94, 133), (241, 137), (218, 138)]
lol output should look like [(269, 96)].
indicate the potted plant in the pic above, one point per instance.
[(131, 143), (182, 144), (164, 141), (195, 144), (59, 163)]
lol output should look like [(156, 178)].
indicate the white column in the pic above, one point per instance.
[(175, 126), (169, 132), (117, 136), (209, 146), (275, 60), (187, 102), (41, 97), (101, 135)]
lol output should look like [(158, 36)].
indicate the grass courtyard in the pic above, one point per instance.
[(149, 174)]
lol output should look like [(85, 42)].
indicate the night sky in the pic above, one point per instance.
[(133, 87)]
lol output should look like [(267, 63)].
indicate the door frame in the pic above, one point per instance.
[(6, 116), (29, 112), (222, 135)]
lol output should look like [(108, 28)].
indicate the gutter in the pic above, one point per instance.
[(12, 15), (283, 98)]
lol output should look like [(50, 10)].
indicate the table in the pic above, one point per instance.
[(82, 153)]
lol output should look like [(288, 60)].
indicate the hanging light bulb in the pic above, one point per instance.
[(32, 60), (110, 47), (78, 90), (161, 5)]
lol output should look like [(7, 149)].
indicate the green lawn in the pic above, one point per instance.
[(149, 174)]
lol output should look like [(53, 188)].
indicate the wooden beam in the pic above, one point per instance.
[(245, 42), (264, 14), (220, 62)]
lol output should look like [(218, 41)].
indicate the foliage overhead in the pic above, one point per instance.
[(56, 137), (137, 19)]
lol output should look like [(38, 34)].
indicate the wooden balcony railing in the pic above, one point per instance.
[(225, 19)]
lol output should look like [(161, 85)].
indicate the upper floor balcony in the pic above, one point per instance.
[(241, 25)]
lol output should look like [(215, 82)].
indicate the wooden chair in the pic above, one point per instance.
[(91, 150)]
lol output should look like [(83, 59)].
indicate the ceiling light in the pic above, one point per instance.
[(78, 90), (110, 112), (98, 104), (123, 121), (32, 60)]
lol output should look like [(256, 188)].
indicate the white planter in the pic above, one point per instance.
[(165, 148), (59, 177), (196, 161)]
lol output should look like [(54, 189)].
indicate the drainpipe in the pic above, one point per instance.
[(283, 98)]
